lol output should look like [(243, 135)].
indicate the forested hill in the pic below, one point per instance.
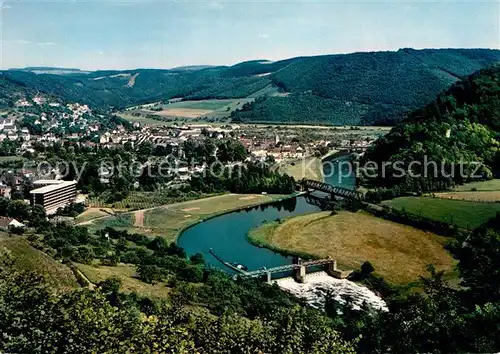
[(11, 91), (461, 127), (359, 88)]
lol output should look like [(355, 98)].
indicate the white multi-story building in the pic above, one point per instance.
[(53, 194)]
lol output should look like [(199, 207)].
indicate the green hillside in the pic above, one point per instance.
[(358, 88), (26, 258), (461, 127), (11, 91), (365, 88)]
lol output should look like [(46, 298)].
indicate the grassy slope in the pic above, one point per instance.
[(27, 258), (491, 185), (127, 274), (465, 214), (399, 253)]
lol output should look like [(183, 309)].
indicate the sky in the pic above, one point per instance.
[(164, 34)]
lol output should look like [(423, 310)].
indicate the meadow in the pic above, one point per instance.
[(202, 108), (92, 214), (210, 105), (464, 214), (128, 276), (476, 196), (490, 185), (297, 169), (142, 120), (169, 220), (398, 252)]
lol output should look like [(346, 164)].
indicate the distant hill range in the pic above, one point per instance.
[(358, 88), (51, 70), (191, 67)]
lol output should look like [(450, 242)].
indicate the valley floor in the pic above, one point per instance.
[(399, 253), (169, 220), (466, 214)]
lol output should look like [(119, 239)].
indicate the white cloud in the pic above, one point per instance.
[(18, 41), (263, 35), (216, 5), (46, 43)]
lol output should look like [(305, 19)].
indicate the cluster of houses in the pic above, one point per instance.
[(261, 148), (164, 136), (9, 130), (73, 119)]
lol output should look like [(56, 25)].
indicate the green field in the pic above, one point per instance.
[(202, 111), (491, 185), (91, 214), (205, 104), (465, 214), (128, 275), (218, 108), (142, 120), (118, 221), (309, 167)]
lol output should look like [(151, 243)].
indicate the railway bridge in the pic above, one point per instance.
[(332, 190)]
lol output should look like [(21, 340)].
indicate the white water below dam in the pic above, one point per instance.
[(319, 285)]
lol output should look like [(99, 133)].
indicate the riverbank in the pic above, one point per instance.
[(399, 253), (308, 167), (170, 221)]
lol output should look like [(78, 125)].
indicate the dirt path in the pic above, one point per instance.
[(139, 218), (90, 222)]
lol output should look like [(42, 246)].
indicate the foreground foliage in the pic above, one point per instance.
[(34, 320), (208, 312)]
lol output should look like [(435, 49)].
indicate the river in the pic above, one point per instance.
[(226, 235)]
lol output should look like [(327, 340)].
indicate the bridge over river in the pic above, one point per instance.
[(332, 190)]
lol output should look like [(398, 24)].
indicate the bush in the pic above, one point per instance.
[(84, 254), (367, 268), (17, 230), (197, 259), (150, 273)]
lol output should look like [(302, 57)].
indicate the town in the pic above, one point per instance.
[(37, 123)]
